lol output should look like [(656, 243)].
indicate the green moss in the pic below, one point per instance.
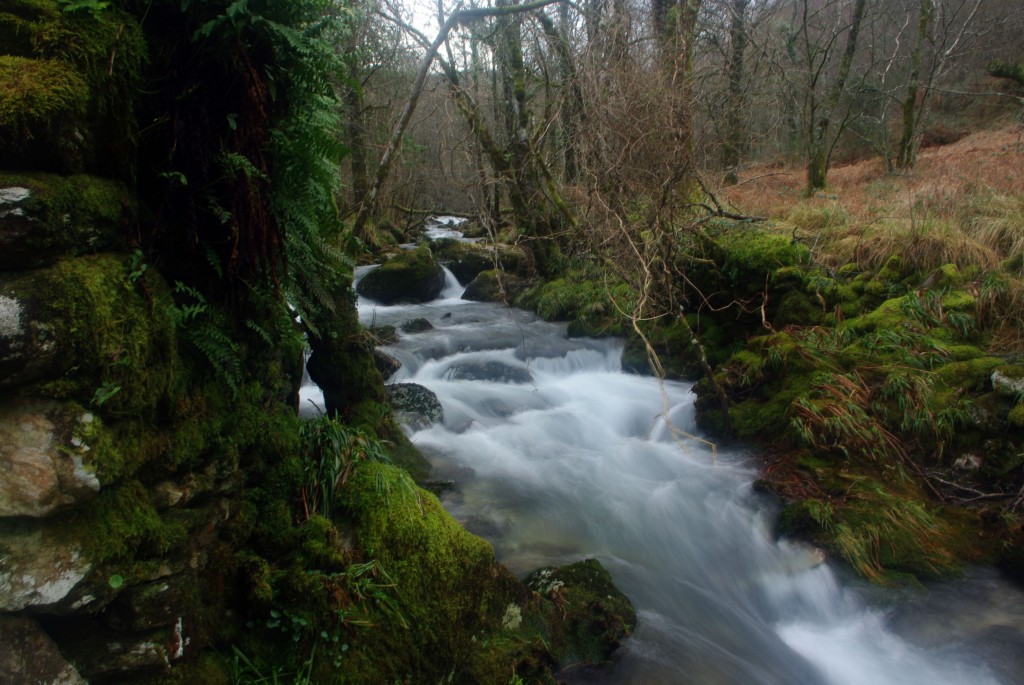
[(65, 215), (412, 276), (443, 574), (589, 614), (1016, 416), (749, 257), (121, 523), (72, 107), (113, 347), (880, 531), (970, 375), (36, 95)]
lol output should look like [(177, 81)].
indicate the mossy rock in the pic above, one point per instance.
[(495, 286), (44, 216), (413, 276), (90, 333), (445, 578), (750, 257), (797, 309), (591, 616), (69, 84), (464, 260), (415, 405)]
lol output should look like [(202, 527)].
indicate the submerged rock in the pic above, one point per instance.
[(413, 276), (494, 371), (417, 325), (415, 406)]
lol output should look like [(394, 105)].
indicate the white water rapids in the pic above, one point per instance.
[(578, 464)]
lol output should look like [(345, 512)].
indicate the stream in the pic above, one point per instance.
[(574, 459)]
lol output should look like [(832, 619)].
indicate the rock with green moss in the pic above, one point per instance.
[(444, 579), (413, 276), (591, 616), (87, 330), (67, 86), (40, 99), (415, 406), (495, 286), (44, 216), (467, 260)]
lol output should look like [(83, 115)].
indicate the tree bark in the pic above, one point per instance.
[(906, 151), (822, 134), (733, 140)]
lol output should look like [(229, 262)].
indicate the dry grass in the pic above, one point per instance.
[(962, 204)]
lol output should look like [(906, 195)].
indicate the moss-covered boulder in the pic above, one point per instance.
[(467, 260), (448, 586), (44, 216), (86, 329), (413, 276), (68, 81), (415, 406), (591, 617), (495, 286)]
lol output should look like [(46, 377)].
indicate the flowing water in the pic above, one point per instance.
[(576, 460)]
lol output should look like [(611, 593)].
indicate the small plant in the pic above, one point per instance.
[(332, 452)]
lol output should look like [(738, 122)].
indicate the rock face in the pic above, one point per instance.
[(43, 217), (415, 405), (41, 467), (38, 570), (413, 276), (29, 657)]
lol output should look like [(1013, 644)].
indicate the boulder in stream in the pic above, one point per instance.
[(495, 286), (413, 276), (589, 615), (493, 371), (415, 405)]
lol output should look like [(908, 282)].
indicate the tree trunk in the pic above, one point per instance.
[(733, 140), (821, 127), (906, 152)]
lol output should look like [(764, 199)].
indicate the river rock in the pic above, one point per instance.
[(467, 260), (413, 276), (493, 371), (37, 569), (29, 657), (495, 286), (109, 656), (591, 616), (41, 469), (415, 406), (417, 326)]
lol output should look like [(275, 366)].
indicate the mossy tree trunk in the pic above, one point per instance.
[(823, 126), (906, 152), (733, 140)]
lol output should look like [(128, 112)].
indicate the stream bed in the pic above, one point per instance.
[(557, 455)]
